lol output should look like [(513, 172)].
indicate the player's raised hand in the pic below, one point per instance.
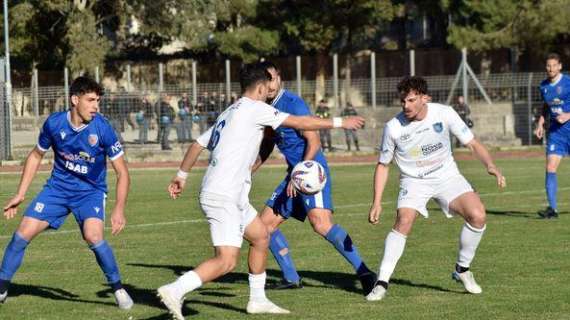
[(353, 122), (539, 132), (291, 191), (374, 214), (501, 180), (176, 186), (118, 221), (11, 207)]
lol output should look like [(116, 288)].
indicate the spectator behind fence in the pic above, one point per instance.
[(125, 108), (166, 117), (212, 109), (201, 111), (323, 112), (463, 111), (184, 129), (144, 117), (110, 110), (350, 134)]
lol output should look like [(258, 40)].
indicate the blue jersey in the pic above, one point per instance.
[(80, 154), (290, 141), (557, 97)]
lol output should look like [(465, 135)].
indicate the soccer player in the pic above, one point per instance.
[(418, 139), (81, 140), (555, 92), (234, 145), (284, 203)]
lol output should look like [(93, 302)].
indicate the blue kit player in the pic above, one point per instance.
[(285, 202), (555, 92), (81, 140)]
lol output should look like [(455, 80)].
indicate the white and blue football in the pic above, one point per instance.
[(308, 177)]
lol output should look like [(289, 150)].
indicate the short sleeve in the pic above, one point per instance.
[(266, 115), (458, 128), (204, 138), (387, 147), (111, 144), (45, 140)]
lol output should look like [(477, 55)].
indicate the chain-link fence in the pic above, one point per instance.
[(139, 116)]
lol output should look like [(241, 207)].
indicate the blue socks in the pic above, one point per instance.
[(338, 237), (551, 189), (106, 260), (13, 257), (280, 249)]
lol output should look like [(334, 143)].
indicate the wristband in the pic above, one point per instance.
[(337, 122), (182, 174)]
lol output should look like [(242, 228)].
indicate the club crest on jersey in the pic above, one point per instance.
[(62, 134), (93, 139), (438, 127)]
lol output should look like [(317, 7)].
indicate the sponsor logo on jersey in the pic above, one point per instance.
[(557, 102), (428, 149), (117, 147), (93, 139), (97, 209), (422, 130), (62, 134), (438, 127), (75, 157), (39, 207), (423, 174), (405, 137)]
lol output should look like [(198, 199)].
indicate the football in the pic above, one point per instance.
[(308, 177)]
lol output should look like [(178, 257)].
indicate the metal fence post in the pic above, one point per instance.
[(194, 88), (464, 75), (335, 80), (412, 62), (529, 108), (129, 83), (160, 77), (299, 84), (373, 78), (66, 87), (228, 80), (97, 74), (35, 95)]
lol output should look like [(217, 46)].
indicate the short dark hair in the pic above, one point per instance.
[(269, 65), (553, 56), (82, 85), (414, 83), (251, 74)]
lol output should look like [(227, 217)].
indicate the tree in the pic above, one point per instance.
[(490, 24), (325, 26)]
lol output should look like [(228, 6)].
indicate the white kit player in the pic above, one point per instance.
[(234, 144), (418, 139)]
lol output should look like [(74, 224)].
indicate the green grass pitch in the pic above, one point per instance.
[(523, 263)]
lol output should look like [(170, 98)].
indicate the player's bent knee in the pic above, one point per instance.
[(92, 237)]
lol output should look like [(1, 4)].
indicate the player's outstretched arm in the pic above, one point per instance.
[(118, 220), (481, 153), (313, 144), (31, 166), (380, 180), (315, 123), (178, 183)]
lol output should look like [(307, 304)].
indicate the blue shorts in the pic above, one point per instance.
[(298, 207), (558, 144), (53, 205)]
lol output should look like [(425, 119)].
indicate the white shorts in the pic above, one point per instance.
[(227, 220), (415, 193)]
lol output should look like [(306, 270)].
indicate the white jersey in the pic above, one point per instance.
[(422, 149), (234, 145)]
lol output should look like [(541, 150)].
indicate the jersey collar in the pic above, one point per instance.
[(76, 129), (277, 97), (560, 76)]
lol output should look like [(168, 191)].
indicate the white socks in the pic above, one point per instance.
[(257, 287), (185, 283), (393, 250), (469, 239)]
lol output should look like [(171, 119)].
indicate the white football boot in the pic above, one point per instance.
[(123, 299), (171, 301), (265, 307), (3, 296), (468, 281), (377, 294)]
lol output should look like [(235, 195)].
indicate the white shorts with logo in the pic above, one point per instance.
[(227, 220), (415, 193)]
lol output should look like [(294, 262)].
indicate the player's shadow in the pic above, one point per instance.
[(344, 281), (49, 293), (514, 214), (408, 283)]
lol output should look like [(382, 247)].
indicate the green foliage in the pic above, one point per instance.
[(490, 24), (247, 43)]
